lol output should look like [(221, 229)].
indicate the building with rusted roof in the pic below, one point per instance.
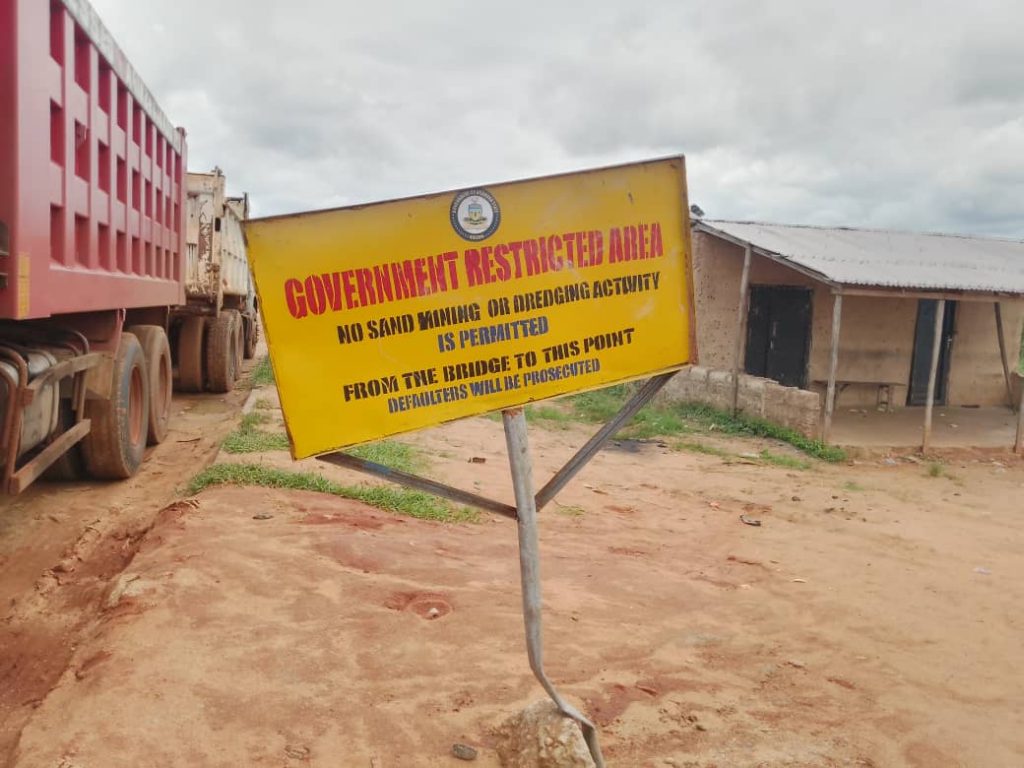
[(867, 320)]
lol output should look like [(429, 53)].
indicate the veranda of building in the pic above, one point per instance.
[(871, 321)]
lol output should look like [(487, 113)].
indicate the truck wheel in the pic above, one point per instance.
[(252, 335), (220, 352), (190, 354), (117, 439), (157, 353)]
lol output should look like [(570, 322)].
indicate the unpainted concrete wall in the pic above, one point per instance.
[(761, 398), (975, 373), (876, 334)]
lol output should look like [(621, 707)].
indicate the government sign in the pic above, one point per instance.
[(394, 316)]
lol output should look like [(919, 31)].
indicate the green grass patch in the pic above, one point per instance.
[(412, 503), (713, 420), (264, 404), (549, 413), (600, 404), (390, 453), (656, 422), (782, 460), (262, 373), (252, 418), (695, 446), (248, 438), (255, 474), (677, 418), (850, 485), (255, 441), (935, 469)]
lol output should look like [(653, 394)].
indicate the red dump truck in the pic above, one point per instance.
[(105, 302)]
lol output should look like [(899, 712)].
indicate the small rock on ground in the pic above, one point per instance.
[(542, 737), (464, 751)]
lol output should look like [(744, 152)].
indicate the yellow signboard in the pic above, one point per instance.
[(399, 315)]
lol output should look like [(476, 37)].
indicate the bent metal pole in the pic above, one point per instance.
[(514, 420)]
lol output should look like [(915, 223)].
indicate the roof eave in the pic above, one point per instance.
[(853, 289), (768, 254), (908, 292)]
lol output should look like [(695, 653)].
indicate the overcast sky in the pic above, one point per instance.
[(889, 114)]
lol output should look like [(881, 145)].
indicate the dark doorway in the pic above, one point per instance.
[(779, 333), (921, 362)]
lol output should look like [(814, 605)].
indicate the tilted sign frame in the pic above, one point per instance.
[(340, 268), (589, 271)]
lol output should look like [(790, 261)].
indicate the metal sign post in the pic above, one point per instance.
[(386, 318), (514, 420), (525, 515)]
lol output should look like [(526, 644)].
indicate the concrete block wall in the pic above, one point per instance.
[(791, 407)]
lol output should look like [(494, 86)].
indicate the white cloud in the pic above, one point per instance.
[(904, 115)]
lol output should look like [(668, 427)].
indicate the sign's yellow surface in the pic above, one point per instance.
[(395, 316)]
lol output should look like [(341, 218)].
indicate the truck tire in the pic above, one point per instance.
[(252, 335), (221, 352), (157, 353), (116, 441), (190, 354)]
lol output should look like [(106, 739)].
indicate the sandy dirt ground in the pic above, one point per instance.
[(61, 544), (873, 619)]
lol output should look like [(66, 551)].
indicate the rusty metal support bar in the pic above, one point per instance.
[(32, 469), (643, 395), (62, 370), (529, 568), (12, 418), (78, 395), (348, 461)]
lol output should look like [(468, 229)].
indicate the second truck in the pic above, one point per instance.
[(121, 275)]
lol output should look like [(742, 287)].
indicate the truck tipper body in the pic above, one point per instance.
[(216, 266), (97, 317)]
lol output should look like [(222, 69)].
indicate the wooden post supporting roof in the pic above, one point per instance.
[(1002, 355), (833, 367), (741, 329), (1018, 445), (940, 311)]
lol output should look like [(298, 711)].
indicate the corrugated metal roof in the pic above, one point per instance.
[(888, 259)]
